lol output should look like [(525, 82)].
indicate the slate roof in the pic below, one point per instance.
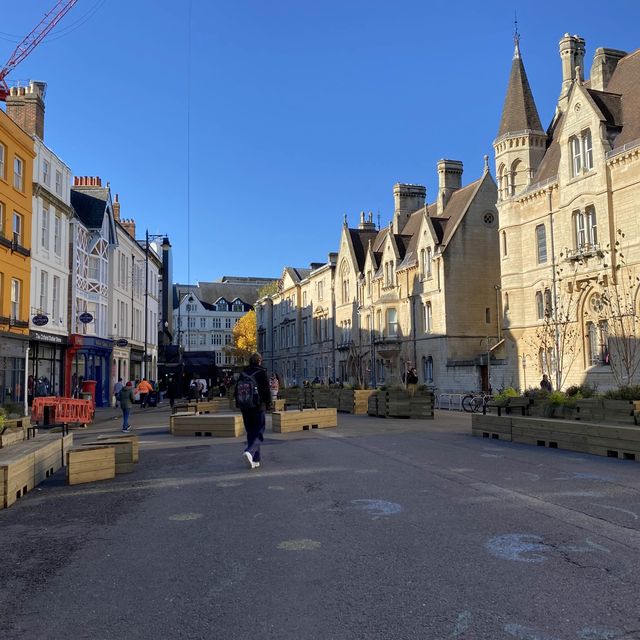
[(519, 111), (209, 292), (625, 81), (360, 241), (90, 205), (298, 273)]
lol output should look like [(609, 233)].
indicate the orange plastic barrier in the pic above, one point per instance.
[(66, 410), (38, 405)]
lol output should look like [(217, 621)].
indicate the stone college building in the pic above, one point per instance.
[(552, 244)]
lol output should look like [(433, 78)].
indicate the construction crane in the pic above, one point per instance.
[(30, 42)]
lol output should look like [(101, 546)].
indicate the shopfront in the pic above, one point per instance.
[(12, 354), (46, 359), (136, 363), (89, 358)]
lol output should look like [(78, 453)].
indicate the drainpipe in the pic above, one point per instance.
[(554, 281), (26, 380)]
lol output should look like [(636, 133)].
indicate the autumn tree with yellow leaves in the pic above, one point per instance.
[(245, 338)]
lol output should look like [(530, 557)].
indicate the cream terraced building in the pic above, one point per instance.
[(398, 297), (569, 205)]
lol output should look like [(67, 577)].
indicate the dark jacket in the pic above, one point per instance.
[(126, 398), (262, 380)]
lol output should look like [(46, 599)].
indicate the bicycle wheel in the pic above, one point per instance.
[(477, 404), (466, 403)]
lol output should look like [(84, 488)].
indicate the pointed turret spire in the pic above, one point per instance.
[(519, 111), (516, 39)]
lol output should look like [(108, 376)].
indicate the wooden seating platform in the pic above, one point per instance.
[(26, 464), (218, 425), (287, 421)]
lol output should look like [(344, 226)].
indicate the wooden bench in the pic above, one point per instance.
[(519, 402), (287, 421), (279, 405), (215, 405), (207, 425), (90, 464), (26, 464)]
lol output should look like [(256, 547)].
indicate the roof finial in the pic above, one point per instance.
[(345, 220), (486, 163), (516, 36)]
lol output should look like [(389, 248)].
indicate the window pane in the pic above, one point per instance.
[(541, 239)]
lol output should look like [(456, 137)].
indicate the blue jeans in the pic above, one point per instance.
[(125, 416), (254, 426)]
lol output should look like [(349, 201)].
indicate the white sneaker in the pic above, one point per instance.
[(248, 458), (255, 465)]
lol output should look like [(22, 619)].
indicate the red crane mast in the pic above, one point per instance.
[(30, 42)]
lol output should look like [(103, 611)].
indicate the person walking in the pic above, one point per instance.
[(274, 387), (172, 391), (253, 398), (117, 388), (144, 389), (126, 402)]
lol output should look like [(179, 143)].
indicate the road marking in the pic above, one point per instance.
[(526, 633), (377, 508), (514, 546), (183, 517), (629, 513), (303, 544), (462, 623)]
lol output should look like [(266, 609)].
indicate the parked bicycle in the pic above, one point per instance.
[(474, 402)]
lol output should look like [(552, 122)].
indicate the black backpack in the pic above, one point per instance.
[(247, 396)]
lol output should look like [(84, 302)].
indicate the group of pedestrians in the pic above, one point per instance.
[(265, 388)]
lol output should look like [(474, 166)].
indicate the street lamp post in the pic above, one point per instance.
[(166, 245)]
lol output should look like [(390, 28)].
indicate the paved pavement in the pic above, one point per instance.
[(379, 529)]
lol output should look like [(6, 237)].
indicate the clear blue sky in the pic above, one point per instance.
[(299, 111)]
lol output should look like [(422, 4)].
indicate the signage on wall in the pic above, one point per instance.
[(40, 320), (85, 317), (123, 342)]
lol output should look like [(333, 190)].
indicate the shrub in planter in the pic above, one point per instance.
[(582, 391), (629, 392)]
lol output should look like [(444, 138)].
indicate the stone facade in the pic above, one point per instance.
[(395, 298), (569, 242)]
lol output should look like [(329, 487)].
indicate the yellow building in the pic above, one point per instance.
[(16, 171)]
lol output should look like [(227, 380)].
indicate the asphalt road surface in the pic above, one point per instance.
[(379, 529)]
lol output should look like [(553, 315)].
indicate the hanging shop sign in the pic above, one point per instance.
[(40, 320), (85, 317), (123, 342)]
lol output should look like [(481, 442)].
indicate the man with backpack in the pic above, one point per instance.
[(253, 398)]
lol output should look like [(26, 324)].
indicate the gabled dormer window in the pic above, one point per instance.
[(581, 153)]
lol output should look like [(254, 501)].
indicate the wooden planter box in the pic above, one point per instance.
[(279, 405), (355, 401), (124, 452), (131, 437), (215, 405), (325, 397), (421, 405), (372, 404), (212, 425), (287, 421), (90, 464), (184, 407), (491, 426), (11, 436)]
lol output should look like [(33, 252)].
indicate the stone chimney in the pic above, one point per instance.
[(407, 198), (333, 257), (449, 181), (572, 57), (25, 106), (604, 64), (116, 209), (367, 224), (129, 226)]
